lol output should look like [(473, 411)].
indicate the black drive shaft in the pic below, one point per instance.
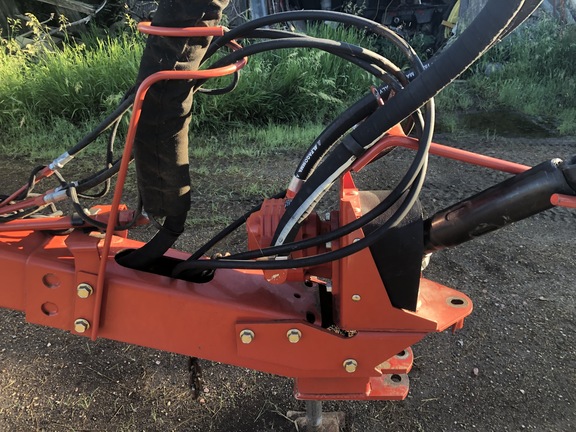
[(517, 198)]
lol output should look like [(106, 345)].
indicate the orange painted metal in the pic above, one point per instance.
[(363, 303), (99, 213), (146, 27), (207, 320), (241, 317), (122, 173), (560, 200), (260, 228), (400, 140)]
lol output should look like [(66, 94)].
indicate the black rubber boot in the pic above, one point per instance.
[(161, 146)]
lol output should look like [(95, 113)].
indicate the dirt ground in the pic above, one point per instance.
[(512, 367)]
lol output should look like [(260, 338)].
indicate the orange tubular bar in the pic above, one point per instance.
[(146, 27), (122, 173), (438, 150), (560, 200), (63, 223)]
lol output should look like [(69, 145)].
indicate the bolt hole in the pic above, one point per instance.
[(310, 317), (49, 309), (396, 378), (297, 295), (457, 301), (402, 353), (50, 280), (309, 284)]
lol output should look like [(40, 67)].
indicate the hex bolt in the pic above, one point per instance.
[(294, 335), (350, 365), (84, 290), (356, 297), (246, 336), (81, 325)]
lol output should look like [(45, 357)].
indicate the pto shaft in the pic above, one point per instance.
[(515, 199)]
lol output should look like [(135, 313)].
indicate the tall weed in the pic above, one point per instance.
[(535, 73), (44, 86), (74, 81), (290, 85)]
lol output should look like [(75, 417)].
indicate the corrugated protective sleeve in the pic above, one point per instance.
[(161, 145)]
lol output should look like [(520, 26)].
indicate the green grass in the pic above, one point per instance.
[(289, 86), (76, 82), (252, 141), (532, 72), (51, 96)]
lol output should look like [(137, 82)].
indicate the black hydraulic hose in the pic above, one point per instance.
[(404, 185), (253, 26), (109, 163), (342, 124), (526, 10), (200, 252), (352, 116), (332, 167), (524, 13), (407, 181), (479, 36), (219, 91), (316, 260), (307, 15), (20, 214), (348, 119), (353, 20), (362, 57), (73, 196), (99, 177), (482, 33), (363, 23), (323, 143), (104, 125)]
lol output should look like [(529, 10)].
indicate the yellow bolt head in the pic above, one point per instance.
[(81, 325), (246, 336), (350, 365), (84, 290), (294, 335)]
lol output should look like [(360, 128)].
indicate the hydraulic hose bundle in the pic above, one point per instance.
[(331, 155), (370, 123)]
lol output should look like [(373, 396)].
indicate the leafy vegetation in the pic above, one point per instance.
[(530, 72), (51, 95)]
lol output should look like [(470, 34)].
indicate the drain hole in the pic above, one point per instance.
[(310, 317)]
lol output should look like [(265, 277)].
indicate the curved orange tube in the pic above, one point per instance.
[(146, 27), (122, 173)]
